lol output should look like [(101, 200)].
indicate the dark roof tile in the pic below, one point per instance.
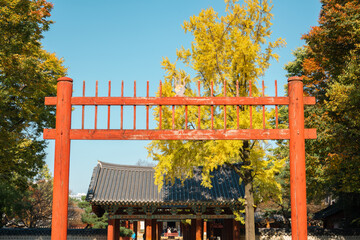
[(113, 183)]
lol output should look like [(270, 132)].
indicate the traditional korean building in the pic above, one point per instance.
[(188, 209)]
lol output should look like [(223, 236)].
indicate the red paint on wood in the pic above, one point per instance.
[(109, 94), (111, 229), (173, 117), (143, 134), (63, 134), (237, 106), (297, 160), (62, 160), (263, 107), (212, 106), (83, 108), (148, 228), (224, 105), (178, 101), (134, 105), (276, 108), (96, 107), (122, 107), (186, 116), (250, 108), (199, 112), (198, 229), (160, 107), (147, 106)]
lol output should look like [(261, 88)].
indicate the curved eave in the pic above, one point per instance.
[(162, 203)]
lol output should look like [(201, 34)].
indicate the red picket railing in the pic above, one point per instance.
[(63, 134)]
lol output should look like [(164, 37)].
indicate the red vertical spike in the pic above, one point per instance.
[(237, 106), (186, 116), (96, 107), (276, 107), (147, 106), (83, 108), (199, 110), (109, 94), (224, 105), (134, 105), (212, 106), (122, 107), (250, 108), (263, 107), (160, 108), (173, 117)]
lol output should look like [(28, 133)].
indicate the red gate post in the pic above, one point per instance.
[(62, 160), (111, 229), (297, 160)]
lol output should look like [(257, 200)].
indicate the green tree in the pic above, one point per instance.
[(329, 63), (90, 218), (232, 48), (27, 74)]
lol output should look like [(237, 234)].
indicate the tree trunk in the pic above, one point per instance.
[(249, 211), (249, 193)]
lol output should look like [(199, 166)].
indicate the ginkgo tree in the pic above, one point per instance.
[(226, 51)]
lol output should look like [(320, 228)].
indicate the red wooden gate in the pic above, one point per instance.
[(63, 134)]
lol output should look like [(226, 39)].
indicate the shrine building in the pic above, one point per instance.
[(186, 211)]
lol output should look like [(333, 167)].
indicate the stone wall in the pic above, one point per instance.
[(313, 234), (45, 234), (100, 234)]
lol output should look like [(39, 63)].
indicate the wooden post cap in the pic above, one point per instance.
[(67, 79), (295, 78)]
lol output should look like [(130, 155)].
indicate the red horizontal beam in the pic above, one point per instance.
[(228, 134), (179, 101)]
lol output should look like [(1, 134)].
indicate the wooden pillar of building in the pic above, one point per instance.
[(193, 229), (228, 229), (198, 235), (204, 230), (131, 225), (148, 232), (159, 229), (136, 229), (153, 229), (117, 229), (111, 229), (236, 230)]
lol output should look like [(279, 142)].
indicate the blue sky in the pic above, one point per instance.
[(126, 40)]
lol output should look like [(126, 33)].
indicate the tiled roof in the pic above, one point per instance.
[(327, 212), (112, 183)]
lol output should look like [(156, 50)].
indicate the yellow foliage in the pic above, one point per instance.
[(232, 48)]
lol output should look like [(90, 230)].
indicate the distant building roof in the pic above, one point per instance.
[(327, 212), (115, 184)]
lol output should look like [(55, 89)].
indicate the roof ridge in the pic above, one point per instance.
[(121, 166)]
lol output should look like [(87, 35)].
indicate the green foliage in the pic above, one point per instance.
[(125, 232), (90, 218), (27, 74), (329, 63), (32, 207)]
